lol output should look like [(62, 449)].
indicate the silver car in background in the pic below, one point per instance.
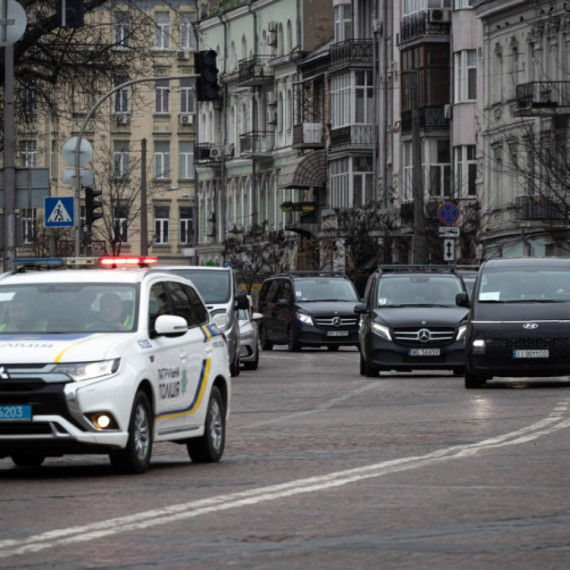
[(249, 337)]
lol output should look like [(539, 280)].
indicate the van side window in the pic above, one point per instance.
[(198, 308), (286, 292), (273, 291), (182, 303)]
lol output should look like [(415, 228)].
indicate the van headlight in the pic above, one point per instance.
[(382, 331), (461, 332), (305, 319), (220, 318), (79, 371)]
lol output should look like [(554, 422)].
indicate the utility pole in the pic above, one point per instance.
[(144, 213)]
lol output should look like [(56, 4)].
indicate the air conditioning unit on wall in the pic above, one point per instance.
[(215, 153), (122, 118), (186, 119), (439, 15), (183, 55)]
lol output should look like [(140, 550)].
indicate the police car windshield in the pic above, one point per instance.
[(213, 286), (409, 290), (323, 289), (518, 286), (67, 308)]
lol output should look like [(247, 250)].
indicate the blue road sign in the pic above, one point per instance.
[(448, 213), (59, 212)]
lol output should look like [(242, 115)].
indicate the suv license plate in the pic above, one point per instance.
[(15, 413), (530, 353), (423, 352), (337, 333)]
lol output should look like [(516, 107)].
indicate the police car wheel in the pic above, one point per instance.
[(209, 448), (27, 459), (135, 458)]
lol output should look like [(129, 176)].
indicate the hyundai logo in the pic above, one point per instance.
[(336, 322), (530, 326), (424, 335)]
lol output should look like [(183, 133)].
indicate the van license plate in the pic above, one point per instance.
[(337, 333), (15, 413), (423, 352), (530, 354)]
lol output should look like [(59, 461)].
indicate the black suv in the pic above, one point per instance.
[(409, 320), (519, 320), (308, 308)]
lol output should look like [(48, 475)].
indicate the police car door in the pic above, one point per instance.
[(170, 366)]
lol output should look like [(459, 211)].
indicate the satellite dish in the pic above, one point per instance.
[(85, 151)]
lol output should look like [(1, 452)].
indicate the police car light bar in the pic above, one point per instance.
[(132, 261)]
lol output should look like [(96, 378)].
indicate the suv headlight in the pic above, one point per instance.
[(305, 319), (79, 371), (461, 332), (382, 331), (221, 319)]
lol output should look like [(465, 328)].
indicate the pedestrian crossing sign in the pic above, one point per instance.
[(58, 212)]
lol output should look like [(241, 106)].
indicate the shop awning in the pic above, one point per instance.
[(308, 172)]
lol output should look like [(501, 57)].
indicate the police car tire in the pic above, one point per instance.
[(135, 458), (209, 448), (27, 459)]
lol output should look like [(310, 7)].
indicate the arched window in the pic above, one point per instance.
[(289, 41), (243, 47), (280, 40)]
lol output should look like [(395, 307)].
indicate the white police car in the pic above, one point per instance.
[(109, 361)]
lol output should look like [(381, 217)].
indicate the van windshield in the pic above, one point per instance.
[(213, 286), (516, 286)]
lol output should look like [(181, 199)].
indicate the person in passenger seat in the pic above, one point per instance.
[(22, 316)]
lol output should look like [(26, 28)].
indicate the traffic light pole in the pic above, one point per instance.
[(76, 208)]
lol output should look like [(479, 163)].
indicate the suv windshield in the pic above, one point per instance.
[(324, 289), (516, 286), (401, 290), (214, 286)]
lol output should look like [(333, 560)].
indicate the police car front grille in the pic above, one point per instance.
[(412, 336), (21, 428), (328, 322)]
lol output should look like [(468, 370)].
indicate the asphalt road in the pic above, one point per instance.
[(323, 469)]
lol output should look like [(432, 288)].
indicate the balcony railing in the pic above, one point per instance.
[(352, 51), (422, 24), (354, 135), (431, 117), (255, 71), (308, 135), (256, 144), (540, 208), (543, 96)]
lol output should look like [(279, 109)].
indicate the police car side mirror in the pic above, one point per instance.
[(170, 325), (462, 300)]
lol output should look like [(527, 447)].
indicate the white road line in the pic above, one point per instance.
[(62, 537)]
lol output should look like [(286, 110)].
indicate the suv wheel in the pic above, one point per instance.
[(253, 364), (292, 342), (265, 344), (472, 381), (135, 458), (209, 448)]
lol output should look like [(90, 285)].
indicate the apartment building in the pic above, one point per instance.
[(142, 135)]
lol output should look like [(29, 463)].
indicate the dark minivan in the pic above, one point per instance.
[(519, 320)]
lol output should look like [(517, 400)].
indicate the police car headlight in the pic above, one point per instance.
[(381, 331), (79, 371), (220, 319), (461, 332), (306, 319)]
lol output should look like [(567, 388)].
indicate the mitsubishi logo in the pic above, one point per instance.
[(424, 335), (4, 373), (336, 322), (530, 326)]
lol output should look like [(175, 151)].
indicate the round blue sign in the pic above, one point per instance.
[(448, 213)]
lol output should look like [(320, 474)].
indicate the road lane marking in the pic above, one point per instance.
[(78, 534)]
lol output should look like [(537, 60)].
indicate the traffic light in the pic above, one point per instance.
[(91, 206), (70, 13), (207, 88)]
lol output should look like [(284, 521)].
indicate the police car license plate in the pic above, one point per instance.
[(530, 353), (337, 333), (15, 413), (423, 352)]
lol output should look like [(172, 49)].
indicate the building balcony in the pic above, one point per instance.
[(351, 52), (257, 145), (431, 117), (540, 208), (543, 98), (353, 136), (308, 135), (433, 22), (255, 71), (207, 153)]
